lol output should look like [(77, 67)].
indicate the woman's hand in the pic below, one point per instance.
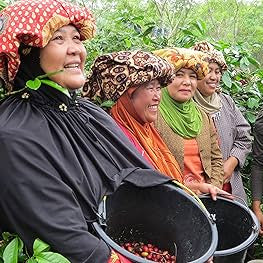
[(206, 188), (229, 166)]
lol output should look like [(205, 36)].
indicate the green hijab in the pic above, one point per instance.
[(185, 118)]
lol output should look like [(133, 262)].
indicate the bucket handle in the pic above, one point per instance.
[(101, 214)]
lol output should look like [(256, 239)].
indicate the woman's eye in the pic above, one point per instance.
[(77, 37), (58, 38), (193, 76)]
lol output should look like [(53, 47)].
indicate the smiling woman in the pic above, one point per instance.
[(66, 46), (188, 131), (134, 79), (60, 154)]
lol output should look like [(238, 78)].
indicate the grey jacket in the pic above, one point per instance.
[(234, 139)]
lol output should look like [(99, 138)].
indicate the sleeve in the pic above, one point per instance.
[(36, 203), (242, 142), (217, 174), (257, 163)]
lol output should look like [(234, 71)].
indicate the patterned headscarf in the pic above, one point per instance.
[(214, 55), (112, 74), (33, 22), (186, 58)]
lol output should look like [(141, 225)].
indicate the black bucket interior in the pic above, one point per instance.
[(160, 215), (235, 223)]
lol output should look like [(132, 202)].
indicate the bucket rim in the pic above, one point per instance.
[(250, 240), (208, 254)]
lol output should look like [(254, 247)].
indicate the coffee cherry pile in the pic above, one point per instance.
[(149, 252)]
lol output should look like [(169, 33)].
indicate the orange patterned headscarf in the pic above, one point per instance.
[(186, 58), (33, 22)]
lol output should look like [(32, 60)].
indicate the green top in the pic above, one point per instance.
[(185, 118)]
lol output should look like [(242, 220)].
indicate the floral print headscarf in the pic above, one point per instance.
[(33, 22)]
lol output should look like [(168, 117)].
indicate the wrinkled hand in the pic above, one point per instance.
[(206, 188), (214, 191), (229, 166)]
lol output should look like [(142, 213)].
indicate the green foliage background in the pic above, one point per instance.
[(234, 26)]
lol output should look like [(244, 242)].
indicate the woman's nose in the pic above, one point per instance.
[(187, 80), (74, 49)]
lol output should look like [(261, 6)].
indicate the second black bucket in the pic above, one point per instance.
[(237, 228), (162, 215)]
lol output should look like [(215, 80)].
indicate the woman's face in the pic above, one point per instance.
[(209, 84), (65, 52), (183, 85), (146, 99)]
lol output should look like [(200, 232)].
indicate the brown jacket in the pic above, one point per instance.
[(207, 142)]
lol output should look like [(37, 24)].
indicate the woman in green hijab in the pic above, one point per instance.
[(187, 130)]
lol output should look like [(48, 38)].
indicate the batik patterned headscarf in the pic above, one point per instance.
[(213, 54), (112, 74), (33, 22), (185, 58), (213, 103)]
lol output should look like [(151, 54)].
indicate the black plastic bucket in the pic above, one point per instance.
[(237, 228), (162, 215)]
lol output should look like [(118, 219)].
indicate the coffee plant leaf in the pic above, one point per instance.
[(31, 260), (227, 79), (252, 103), (10, 254), (40, 246), (251, 117), (50, 257)]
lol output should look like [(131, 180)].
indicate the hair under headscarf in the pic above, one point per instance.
[(185, 58), (33, 22), (213, 54), (112, 74)]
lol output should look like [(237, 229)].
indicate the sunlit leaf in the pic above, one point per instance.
[(128, 42), (50, 257), (31, 260), (107, 104), (40, 246), (10, 254), (33, 84)]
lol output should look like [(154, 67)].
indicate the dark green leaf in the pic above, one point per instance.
[(253, 62), (148, 30), (6, 235)]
